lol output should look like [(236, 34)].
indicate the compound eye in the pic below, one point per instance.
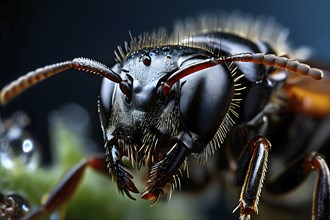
[(146, 59)]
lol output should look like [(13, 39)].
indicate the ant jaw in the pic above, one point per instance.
[(148, 196), (122, 177), (164, 168), (165, 175), (154, 197)]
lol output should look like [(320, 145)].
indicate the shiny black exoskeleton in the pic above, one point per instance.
[(197, 113), (210, 84)]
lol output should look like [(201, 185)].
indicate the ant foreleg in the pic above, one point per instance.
[(255, 156), (65, 189), (297, 172)]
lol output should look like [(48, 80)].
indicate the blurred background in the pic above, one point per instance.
[(39, 32)]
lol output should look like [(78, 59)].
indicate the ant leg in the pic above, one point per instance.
[(254, 162), (297, 172), (64, 190)]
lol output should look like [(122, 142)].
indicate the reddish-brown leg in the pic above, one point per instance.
[(64, 190)]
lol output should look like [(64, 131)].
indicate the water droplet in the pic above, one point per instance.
[(18, 204), (17, 147), (27, 146)]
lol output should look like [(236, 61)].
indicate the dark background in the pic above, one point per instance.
[(41, 32)]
